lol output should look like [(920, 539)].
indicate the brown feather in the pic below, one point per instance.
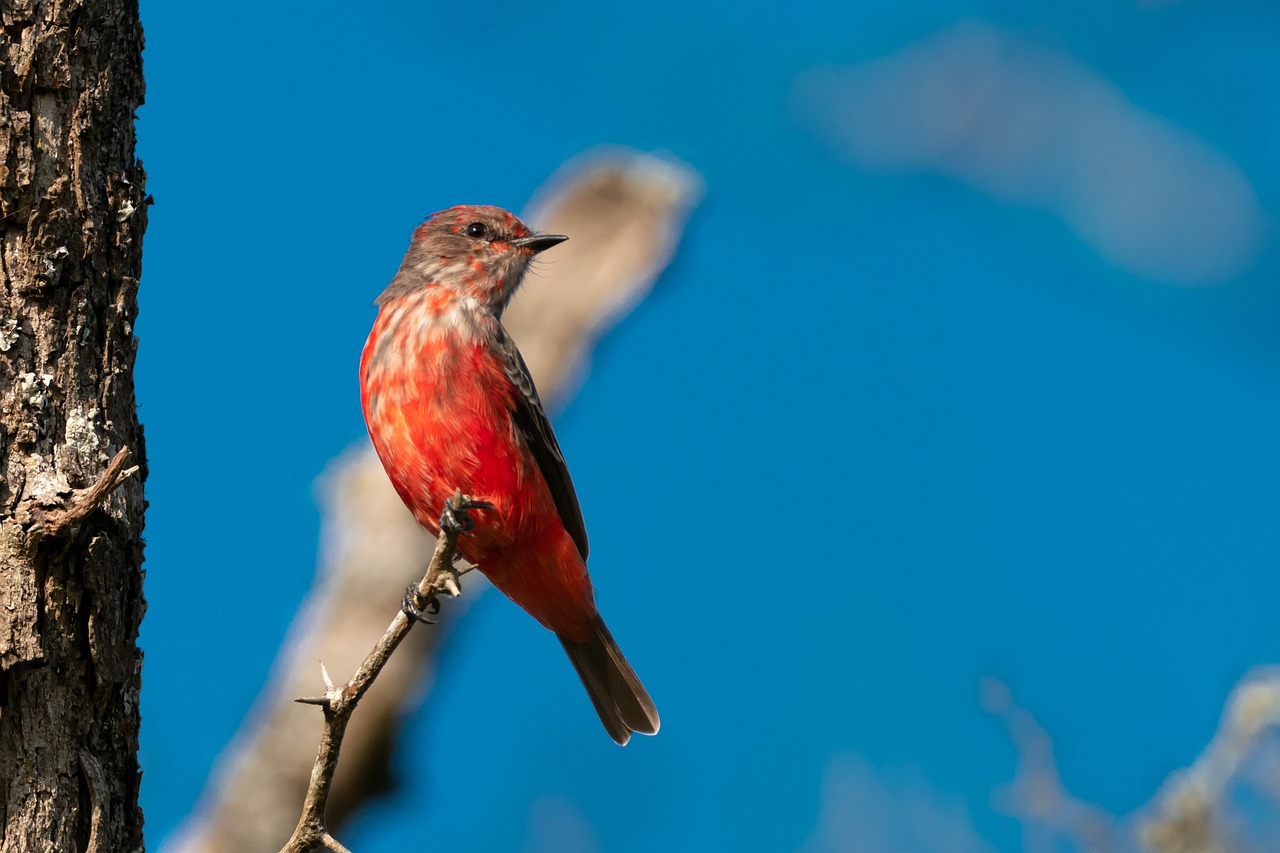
[(620, 699)]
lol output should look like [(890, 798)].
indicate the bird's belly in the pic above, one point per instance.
[(438, 434), (440, 417)]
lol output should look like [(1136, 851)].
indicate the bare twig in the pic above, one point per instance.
[(339, 703), (54, 523)]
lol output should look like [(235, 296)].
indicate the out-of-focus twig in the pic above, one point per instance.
[(1195, 811), (624, 213), (1037, 796), (1191, 814)]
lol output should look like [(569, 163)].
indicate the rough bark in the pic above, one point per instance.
[(72, 215)]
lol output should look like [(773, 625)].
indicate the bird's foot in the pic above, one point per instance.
[(455, 518), (421, 607), (419, 612)]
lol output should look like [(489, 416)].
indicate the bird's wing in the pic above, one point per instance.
[(531, 423)]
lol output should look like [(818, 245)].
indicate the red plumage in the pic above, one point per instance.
[(450, 405)]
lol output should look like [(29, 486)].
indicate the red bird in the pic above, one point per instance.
[(450, 405)]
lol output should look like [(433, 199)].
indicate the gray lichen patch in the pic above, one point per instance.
[(82, 433), (9, 333), (33, 388)]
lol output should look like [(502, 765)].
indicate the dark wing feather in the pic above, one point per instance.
[(532, 425)]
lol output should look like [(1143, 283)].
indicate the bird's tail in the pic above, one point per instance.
[(620, 699)]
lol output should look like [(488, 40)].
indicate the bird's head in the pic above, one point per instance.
[(480, 250)]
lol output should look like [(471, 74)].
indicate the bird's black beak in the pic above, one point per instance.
[(539, 242)]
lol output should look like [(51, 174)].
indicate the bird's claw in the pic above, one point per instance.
[(415, 612), (455, 518)]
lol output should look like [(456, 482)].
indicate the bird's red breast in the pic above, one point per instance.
[(439, 406)]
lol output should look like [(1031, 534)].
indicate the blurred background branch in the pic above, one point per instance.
[(1225, 802), (625, 213)]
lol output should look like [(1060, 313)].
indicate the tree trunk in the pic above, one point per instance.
[(72, 215)]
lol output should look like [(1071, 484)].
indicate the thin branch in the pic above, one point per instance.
[(54, 523), (340, 703)]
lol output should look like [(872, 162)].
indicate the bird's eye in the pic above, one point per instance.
[(476, 229)]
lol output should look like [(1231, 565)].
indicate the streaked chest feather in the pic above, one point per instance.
[(429, 349), (437, 401)]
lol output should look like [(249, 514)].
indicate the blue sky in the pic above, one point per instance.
[(967, 377)]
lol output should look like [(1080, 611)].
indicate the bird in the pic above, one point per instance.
[(450, 405)]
